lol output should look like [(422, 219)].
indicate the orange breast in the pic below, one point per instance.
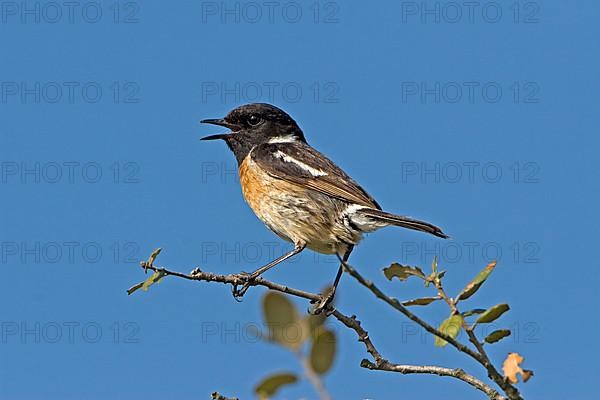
[(271, 200), (254, 185), (292, 212)]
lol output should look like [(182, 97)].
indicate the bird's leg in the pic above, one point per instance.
[(248, 278), (328, 298)]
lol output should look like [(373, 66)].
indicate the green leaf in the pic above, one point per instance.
[(435, 275), (450, 327), (431, 278), (155, 278), (402, 272), (475, 311), (280, 315), (496, 336), (272, 383), (153, 256), (315, 322), (134, 288), (492, 313), (423, 301), (313, 325), (476, 283), (304, 331), (322, 352)]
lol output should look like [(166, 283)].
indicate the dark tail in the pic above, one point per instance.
[(404, 222)]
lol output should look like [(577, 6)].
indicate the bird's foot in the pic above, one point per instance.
[(324, 304), (247, 280)]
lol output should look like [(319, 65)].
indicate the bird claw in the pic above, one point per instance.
[(323, 305), (239, 293)]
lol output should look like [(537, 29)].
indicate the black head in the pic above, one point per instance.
[(254, 124)]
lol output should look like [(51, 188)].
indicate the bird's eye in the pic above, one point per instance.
[(254, 120)]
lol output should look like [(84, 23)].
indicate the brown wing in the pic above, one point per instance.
[(298, 163)]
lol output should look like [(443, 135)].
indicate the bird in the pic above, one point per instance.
[(299, 193)]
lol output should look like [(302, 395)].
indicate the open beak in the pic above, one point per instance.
[(215, 137), (220, 122)]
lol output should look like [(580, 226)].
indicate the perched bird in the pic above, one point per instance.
[(299, 193)]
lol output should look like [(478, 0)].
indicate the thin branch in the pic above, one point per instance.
[(219, 396), (442, 293), (384, 365), (493, 373), (441, 371), (232, 279), (351, 322), (398, 306)]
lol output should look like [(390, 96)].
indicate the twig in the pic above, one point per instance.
[(219, 396), (231, 279), (398, 306), (379, 363), (511, 391), (382, 364), (442, 293), (441, 371)]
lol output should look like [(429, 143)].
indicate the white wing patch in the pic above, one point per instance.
[(313, 171), (361, 221), (283, 139), (353, 208)]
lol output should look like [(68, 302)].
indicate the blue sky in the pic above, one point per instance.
[(483, 121)]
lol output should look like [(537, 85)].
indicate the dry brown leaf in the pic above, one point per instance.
[(512, 367)]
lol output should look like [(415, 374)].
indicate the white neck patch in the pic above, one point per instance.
[(283, 139), (285, 157)]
